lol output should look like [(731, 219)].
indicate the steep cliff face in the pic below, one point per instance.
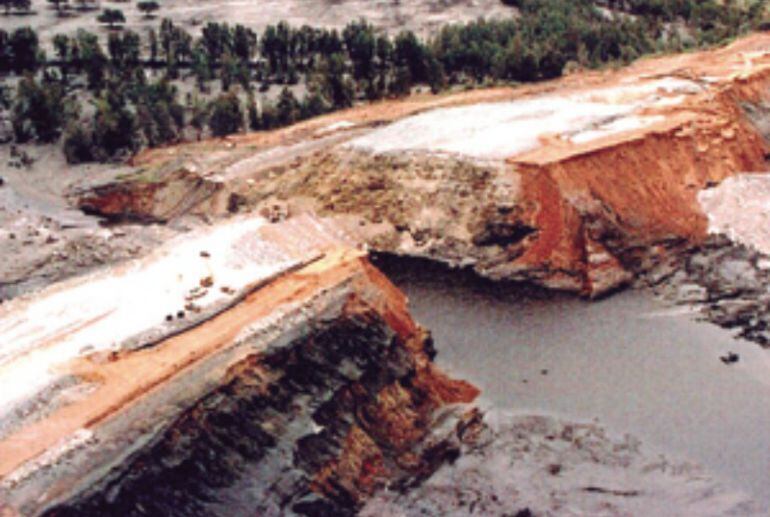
[(315, 427), (306, 389), (566, 184)]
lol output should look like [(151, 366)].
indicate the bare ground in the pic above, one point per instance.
[(42, 239), (422, 16)]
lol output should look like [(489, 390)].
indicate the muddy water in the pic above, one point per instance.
[(632, 363)]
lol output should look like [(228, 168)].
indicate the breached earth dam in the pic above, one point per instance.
[(239, 351)]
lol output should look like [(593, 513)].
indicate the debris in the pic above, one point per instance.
[(207, 281), (205, 254), (610, 491), (730, 358)]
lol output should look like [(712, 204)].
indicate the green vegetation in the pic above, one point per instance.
[(110, 17), (128, 93), (39, 110), (148, 7), (226, 115), (18, 6)]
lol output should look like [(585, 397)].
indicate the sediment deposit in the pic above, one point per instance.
[(525, 465), (578, 184)]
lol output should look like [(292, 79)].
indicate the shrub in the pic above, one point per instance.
[(38, 112), (78, 144), (226, 115)]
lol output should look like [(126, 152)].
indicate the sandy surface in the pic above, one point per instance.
[(505, 129)]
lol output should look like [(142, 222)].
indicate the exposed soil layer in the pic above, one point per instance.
[(581, 203), (294, 358), (313, 428)]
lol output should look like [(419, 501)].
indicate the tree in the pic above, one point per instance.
[(152, 38), (78, 143), (275, 46), (114, 128), (61, 45), (20, 6), (112, 18), (436, 75), (255, 123), (227, 71), (411, 53), (313, 105), (226, 115), (200, 66), (124, 50), (288, 109), (148, 7), (60, 5), (39, 110), (86, 5), (360, 43), (334, 83), (402, 82), (159, 114), (92, 59), (216, 39), (244, 43), (24, 49), (6, 56), (199, 115)]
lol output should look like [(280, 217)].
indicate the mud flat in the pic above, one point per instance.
[(629, 363)]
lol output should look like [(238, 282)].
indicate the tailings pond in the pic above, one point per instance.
[(629, 361)]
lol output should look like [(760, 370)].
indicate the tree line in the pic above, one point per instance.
[(129, 108)]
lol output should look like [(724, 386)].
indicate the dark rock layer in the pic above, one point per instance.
[(314, 428)]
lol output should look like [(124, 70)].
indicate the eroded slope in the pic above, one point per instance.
[(568, 184), (293, 367)]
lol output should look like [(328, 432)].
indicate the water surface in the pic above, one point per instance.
[(629, 361)]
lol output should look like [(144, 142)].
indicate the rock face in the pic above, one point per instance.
[(568, 184), (303, 387)]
